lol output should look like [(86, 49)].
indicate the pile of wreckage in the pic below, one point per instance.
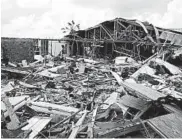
[(86, 98), (136, 95)]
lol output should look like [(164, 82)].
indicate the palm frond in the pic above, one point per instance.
[(69, 24), (78, 26), (73, 22)]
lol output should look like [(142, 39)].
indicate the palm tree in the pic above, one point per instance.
[(71, 28)]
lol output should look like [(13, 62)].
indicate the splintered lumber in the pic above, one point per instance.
[(117, 77), (91, 125), (64, 120), (167, 126), (77, 126), (14, 124), (8, 88), (12, 64), (36, 124), (52, 108), (13, 70), (16, 102), (139, 89)]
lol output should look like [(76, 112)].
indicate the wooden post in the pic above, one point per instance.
[(105, 51), (115, 29), (94, 34), (100, 33)]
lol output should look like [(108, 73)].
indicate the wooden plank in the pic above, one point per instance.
[(117, 77), (36, 124), (169, 125), (64, 120), (8, 87), (91, 125), (14, 70), (76, 128), (52, 108), (26, 85), (16, 102)]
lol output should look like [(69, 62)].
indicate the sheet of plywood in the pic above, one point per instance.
[(169, 125), (36, 124), (52, 108)]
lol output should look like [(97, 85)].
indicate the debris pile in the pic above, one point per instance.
[(86, 98)]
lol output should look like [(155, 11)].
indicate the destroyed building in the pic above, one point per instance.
[(120, 78)]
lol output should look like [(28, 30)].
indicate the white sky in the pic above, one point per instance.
[(45, 18)]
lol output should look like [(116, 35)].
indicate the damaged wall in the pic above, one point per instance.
[(18, 49)]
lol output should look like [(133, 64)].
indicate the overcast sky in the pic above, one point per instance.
[(45, 18)]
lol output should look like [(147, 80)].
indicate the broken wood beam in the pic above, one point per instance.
[(117, 77), (14, 70), (16, 102), (76, 128), (14, 123), (64, 120), (52, 108), (91, 125)]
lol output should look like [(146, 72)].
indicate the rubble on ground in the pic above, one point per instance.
[(119, 79), (85, 98)]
